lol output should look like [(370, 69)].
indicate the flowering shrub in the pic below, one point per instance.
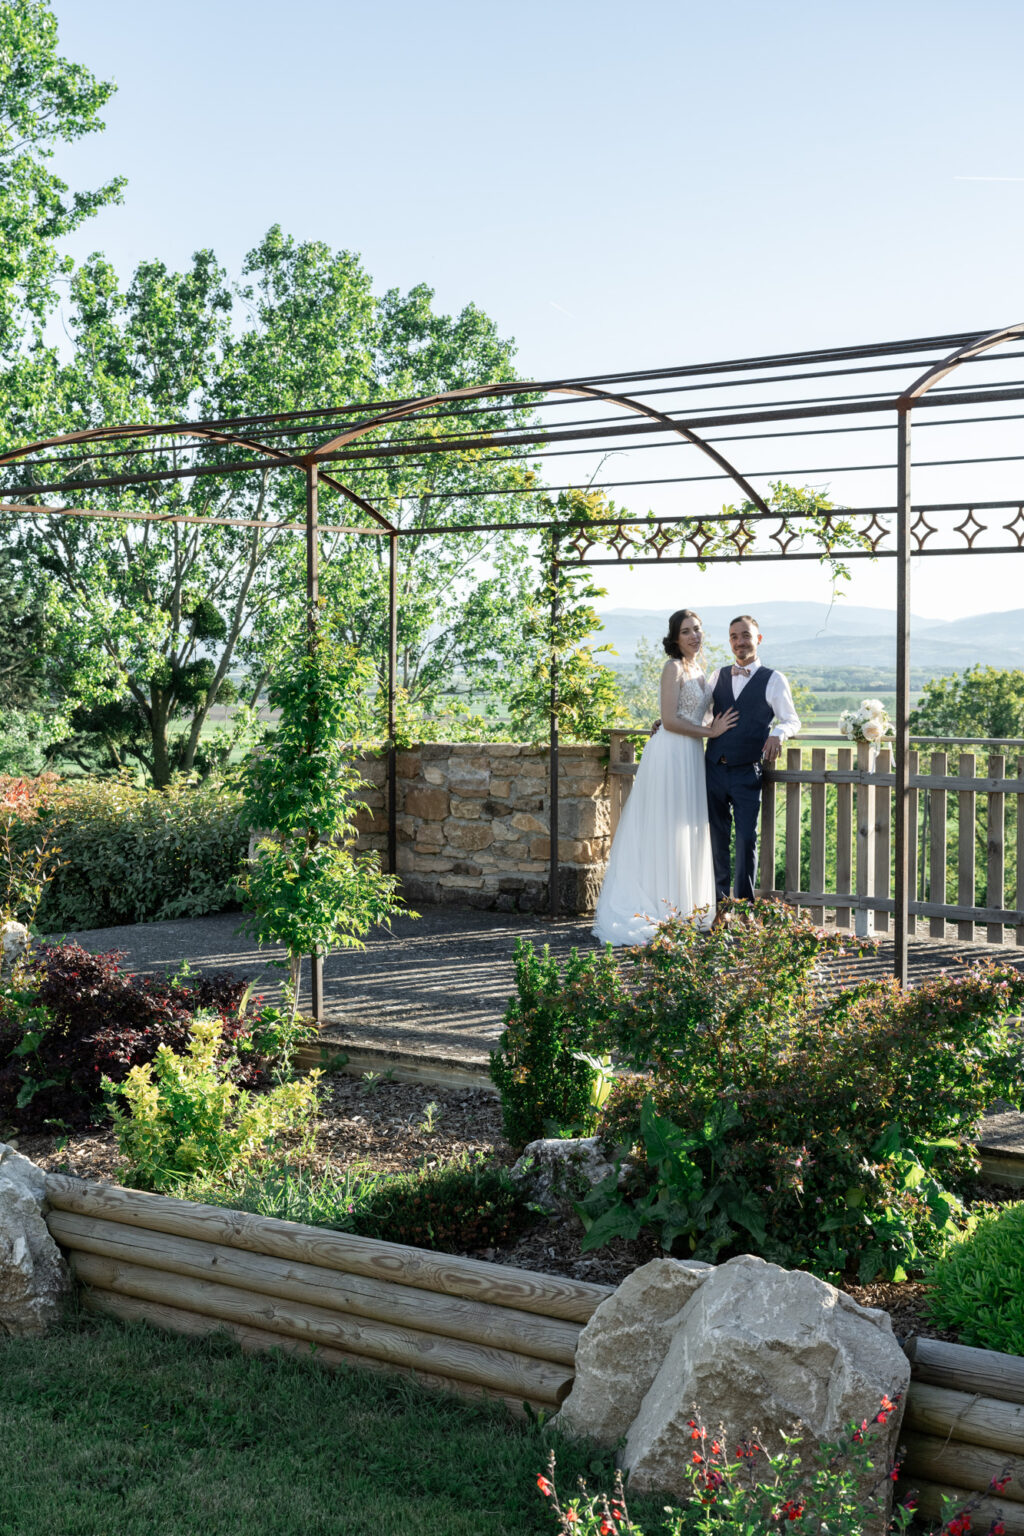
[(869, 723), (539, 1067), (747, 1492), (80, 1017), (835, 1135), (185, 1115)]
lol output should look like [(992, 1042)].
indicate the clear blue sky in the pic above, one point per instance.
[(617, 187)]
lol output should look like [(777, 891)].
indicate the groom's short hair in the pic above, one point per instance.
[(749, 618)]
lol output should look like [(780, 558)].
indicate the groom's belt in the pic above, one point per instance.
[(723, 762)]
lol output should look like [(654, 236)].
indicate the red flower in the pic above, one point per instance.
[(546, 1488), (570, 1517)]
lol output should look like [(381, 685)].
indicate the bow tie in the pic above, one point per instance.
[(741, 671)]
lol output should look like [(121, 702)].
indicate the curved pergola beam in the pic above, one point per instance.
[(939, 370), (253, 445), (588, 391)]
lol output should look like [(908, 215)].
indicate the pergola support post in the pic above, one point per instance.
[(553, 879), (392, 685), (316, 962), (902, 743)]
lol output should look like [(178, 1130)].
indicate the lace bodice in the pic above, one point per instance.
[(694, 699)]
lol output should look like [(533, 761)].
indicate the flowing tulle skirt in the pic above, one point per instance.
[(660, 862)]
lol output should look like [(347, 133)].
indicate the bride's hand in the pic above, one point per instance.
[(722, 723)]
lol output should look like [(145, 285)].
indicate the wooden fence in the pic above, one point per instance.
[(826, 840), (475, 1328)]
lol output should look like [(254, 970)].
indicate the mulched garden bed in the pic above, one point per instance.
[(389, 1127)]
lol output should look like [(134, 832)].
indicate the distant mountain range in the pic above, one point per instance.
[(815, 635)]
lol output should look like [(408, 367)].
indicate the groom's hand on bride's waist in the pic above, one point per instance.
[(655, 728)]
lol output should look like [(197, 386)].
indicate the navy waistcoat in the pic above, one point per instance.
[(744, 743)]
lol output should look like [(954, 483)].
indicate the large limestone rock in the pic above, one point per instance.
[(751, 1346), (763, 1348), (33, 1276), (620, 1351)]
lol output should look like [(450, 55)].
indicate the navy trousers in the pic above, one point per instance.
[(734, 800)]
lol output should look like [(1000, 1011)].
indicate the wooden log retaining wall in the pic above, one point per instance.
[(964, 1426), (472, 1327), (479, 1329)]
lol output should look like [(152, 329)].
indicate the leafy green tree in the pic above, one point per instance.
[(45, 100), (23, 684), (981, 701), (305, 887), (148, 624)]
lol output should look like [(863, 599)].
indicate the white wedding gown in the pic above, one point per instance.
[(660, 862)]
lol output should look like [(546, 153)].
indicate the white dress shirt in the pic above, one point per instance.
[(777, 696)]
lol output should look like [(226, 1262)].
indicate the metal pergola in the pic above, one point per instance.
[(839, 394)]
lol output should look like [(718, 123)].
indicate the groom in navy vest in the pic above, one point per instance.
[(733, 760)]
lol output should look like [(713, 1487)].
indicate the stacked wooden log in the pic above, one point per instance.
[(964, 1427), (477, 1328)]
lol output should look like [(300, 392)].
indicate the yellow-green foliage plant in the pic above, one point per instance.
[(186, 1117)]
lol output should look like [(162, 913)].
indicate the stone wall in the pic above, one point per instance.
[(473, 824)]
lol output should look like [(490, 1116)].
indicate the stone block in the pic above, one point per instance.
[(530, 803), (429, 834), (502, 749), (407, 765), (468, 781), (374, 769), (501, 789), (468, 836), (503, 833), (461, 882), (405, 857), (433, 750), (13, 944), (467, 810), (33, 1277), (431, 863), (465, 867), (434, 775), (428, 804), (525, 822)]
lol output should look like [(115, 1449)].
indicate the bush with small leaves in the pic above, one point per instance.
[(186, 1117), (977, 1282)]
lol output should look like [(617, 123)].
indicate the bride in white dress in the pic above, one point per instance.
[(660, 862)]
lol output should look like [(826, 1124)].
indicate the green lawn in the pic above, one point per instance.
[(111, 1430)]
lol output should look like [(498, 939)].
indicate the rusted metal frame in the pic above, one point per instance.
[(735, 418), (963, 354), (901, 744), (855, 407), (316, 962), (392, 748), (661, 421), (24, 509), (554, 894)]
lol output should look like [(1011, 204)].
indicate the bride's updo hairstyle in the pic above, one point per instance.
[(671, 640)]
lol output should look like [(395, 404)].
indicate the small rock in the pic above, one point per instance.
[(556, 1173), (33, 1277), (13, 944)]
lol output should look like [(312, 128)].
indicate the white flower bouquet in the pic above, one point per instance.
[(868, 723)]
